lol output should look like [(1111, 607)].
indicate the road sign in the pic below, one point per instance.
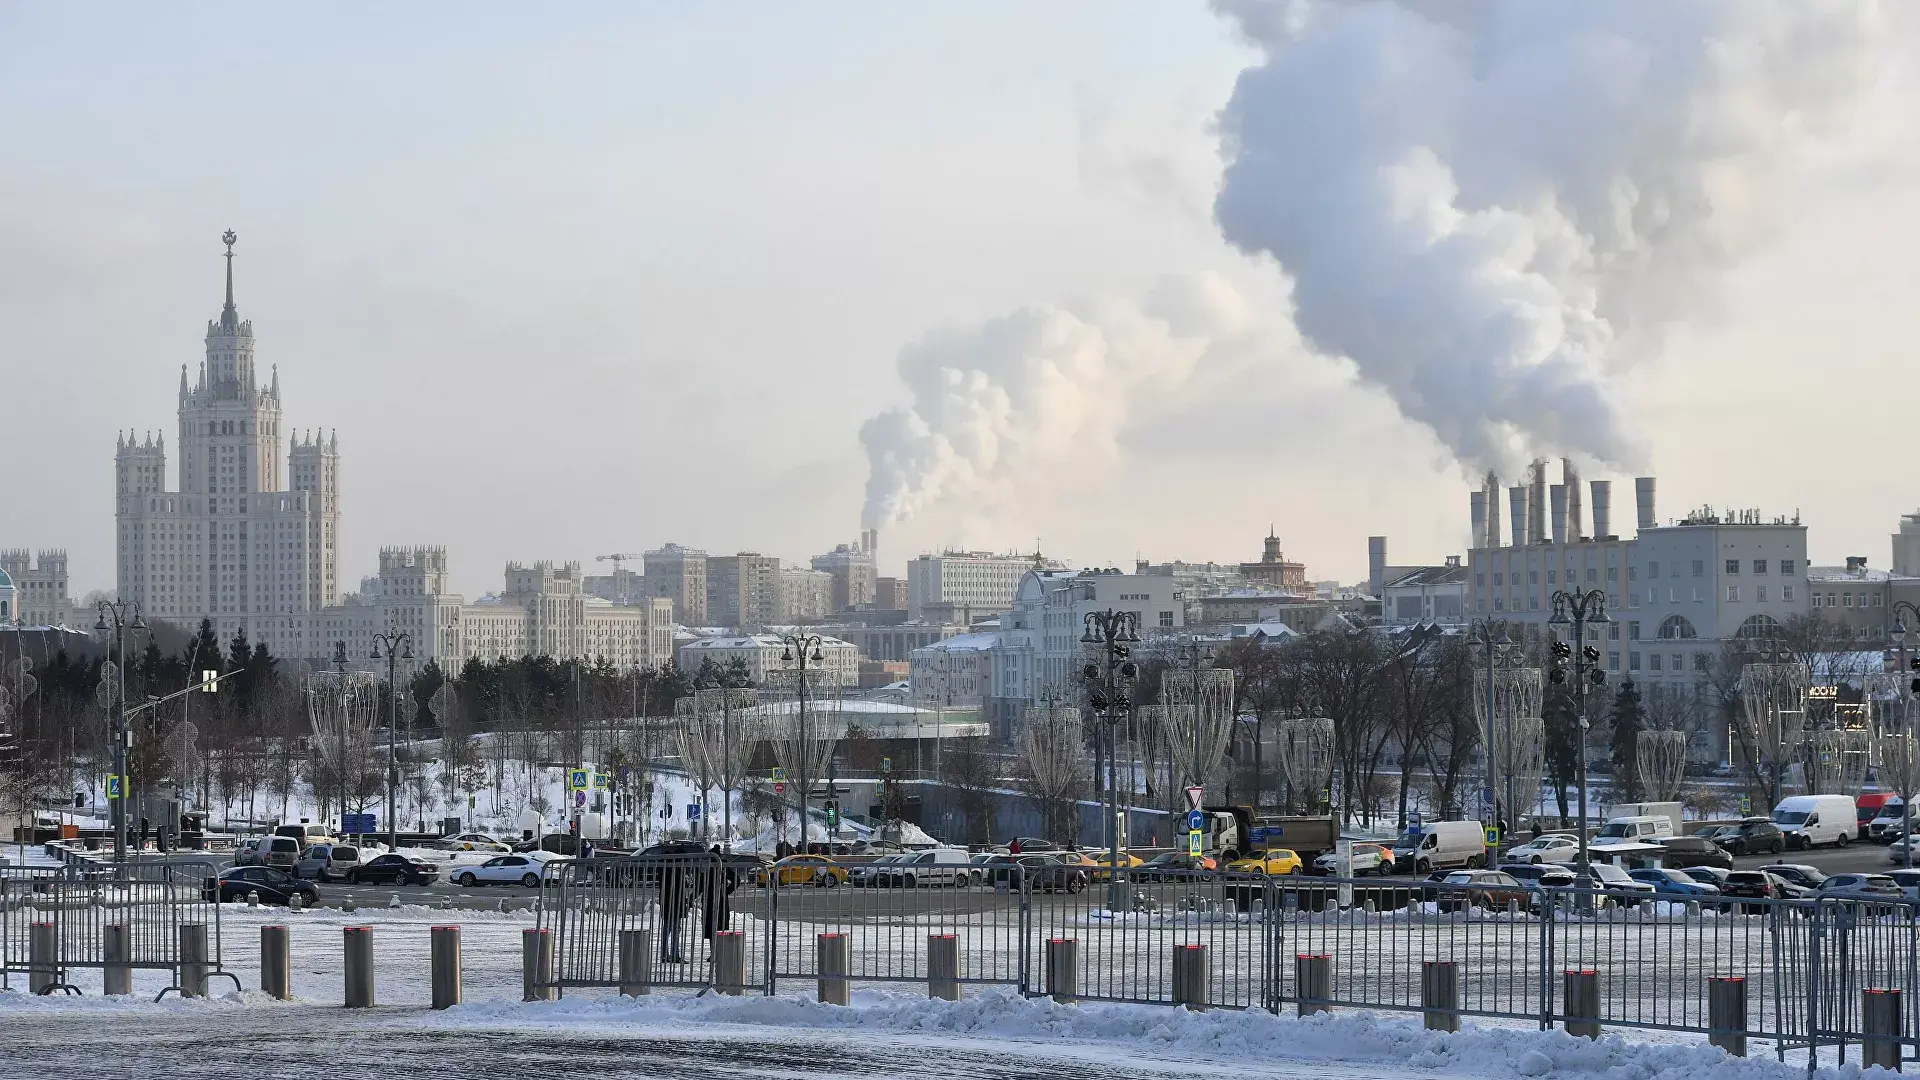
[(693, 811), (600, 781), (779, 789), (886, 764), (577, 780), (579, 798), (1196, 821), (1493, 836), (779, 775), (1194, 842), (1193, 797), (113, 787), (358, 824), (1746, 805)]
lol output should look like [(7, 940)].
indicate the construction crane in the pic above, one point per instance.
[(616, 559)]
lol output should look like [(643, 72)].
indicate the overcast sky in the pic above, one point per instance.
[(601, 277)]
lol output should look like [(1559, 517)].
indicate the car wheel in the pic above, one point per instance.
[(1535, 860), (353, 877), (466, 881), (1842, 840), (1775, 849), (1076, 883), (531, 881)]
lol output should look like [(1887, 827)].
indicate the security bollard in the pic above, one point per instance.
[(41, 959), (1313, 979), (1190, 976), (118, 976), (636, 962), (1727, 1014), (193, 959), (276, 967), (444, 949), (730, 962), (359, 979), (1440, 995), (943, 967), (1581, 989), (1063, 969), (832, 953), (536, 964), (1880, 1020)]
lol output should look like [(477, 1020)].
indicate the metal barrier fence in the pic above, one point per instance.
[(117, 918), (1796, 973)]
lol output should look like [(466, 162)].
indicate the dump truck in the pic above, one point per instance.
[(1234, 832)]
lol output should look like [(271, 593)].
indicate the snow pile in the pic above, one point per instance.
[(1003, 1015)]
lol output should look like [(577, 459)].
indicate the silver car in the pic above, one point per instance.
[(326, 862)]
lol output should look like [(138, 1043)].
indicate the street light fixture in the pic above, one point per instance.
[(126, 618), (397, 645), (1110, 676), (805, 648), (1580, 609), (1503, 653)]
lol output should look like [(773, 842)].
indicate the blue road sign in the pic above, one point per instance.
[(358, 824), (1196, 820), (693, 811)]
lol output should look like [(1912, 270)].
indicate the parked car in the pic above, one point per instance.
[(1487, 889), (643, 868), (275, 850), (1685, 851), (1889, 823), (1675, 883), (1551, 848), (1366, 859), (1537, 878), (519, 868), (1812, 820), (1621, 885), (1711, 875), (1439, 845), (1909, 882), (1804, 879), (1753, 836), (325, 862), (1859, 887), (875, 873), (473, 841), (394, 869), (980, 863), (802, 870), (1754, 885), (1175, 866), (1273, 862), (1897, 850), (1633, 829), (306, 833), (1042, 872), (274, 886), (1022, 845), (939, 866)]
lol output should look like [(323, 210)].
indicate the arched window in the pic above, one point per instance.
[(1677, 626), (1759, 626)]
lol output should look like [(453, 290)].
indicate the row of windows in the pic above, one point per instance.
[(1846, 600)]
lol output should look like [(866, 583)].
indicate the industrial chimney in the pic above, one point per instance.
[(1537, 502), (1643, 497), (1558, 496), (1602, 509), (1490, 494), (1477, 510), (1576, 521), (1376, 564), (1517, 512)]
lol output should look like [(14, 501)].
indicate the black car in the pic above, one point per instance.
[(1754, 836), (274, 886), (1685, 851), (642, 869), (393, 869), (1042, 873), (1805, 880), (1709, 875), (1172, 866)]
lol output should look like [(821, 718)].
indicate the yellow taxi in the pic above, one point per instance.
[(1102, 864), (1273, 861), (802, 870)]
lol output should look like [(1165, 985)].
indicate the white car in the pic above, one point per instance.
[(473, 841), (1367, 858), (1553, 848), (525, 868)]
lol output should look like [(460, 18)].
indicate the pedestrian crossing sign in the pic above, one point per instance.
[(577, 780), (113, 787), (1493, 836), (1194, 840), (600, 781)]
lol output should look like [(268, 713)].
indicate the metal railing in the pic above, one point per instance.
[(112, 917), (1804, 967)]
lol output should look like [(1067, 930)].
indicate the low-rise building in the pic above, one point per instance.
[(762, 653)]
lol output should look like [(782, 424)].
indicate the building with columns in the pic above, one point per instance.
[(235, 541)]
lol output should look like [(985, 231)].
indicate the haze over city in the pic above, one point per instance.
[(635, 274)]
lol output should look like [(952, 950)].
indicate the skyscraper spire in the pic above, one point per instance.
[(229, 318)]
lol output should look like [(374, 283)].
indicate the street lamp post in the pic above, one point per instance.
[(393, 647), (805, 649), (1901, 609), (1110, 675), (1580, 609), (125, 615)]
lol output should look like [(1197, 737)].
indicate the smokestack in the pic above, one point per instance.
[(1576, 521), (1376, 564), (1602, 509), (1537, 502), (1643, 496), (1517, 512), (1490, 494), (1477, 510), (1558, 493)]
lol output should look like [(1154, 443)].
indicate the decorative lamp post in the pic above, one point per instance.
[(804, 648), (1110, 675), (1908, 672), (1580, 610), (393, 647)]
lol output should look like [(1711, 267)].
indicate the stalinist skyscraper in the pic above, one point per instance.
[(235, 543)]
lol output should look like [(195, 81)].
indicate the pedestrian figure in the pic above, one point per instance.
[(716, 899), (676, 901), (143, 834)]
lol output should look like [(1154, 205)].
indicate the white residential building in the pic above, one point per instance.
[(805, 595), (41, 590), (763, 653), (956, 672), (974, 582)]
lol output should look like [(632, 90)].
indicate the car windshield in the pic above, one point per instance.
[(1609, 872), (1614, 829), (1459, 879), (1790, 817)]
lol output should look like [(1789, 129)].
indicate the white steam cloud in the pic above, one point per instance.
[(1490, 206), (1042, 388)]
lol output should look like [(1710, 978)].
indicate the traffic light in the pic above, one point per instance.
[(833, 814), (1561, 652), (1914, 664)]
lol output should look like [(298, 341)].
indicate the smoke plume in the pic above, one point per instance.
[(1040, 389), (1491, 206)]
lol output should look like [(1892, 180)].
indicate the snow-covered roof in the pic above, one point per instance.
[(968, 642), (753, 641)]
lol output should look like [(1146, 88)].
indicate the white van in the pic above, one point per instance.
[(1812, 820), (1634, 829), (1442, 844), (1888, 825), (940, 866)]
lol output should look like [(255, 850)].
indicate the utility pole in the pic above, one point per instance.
[(126, 618), (1110, 676)]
